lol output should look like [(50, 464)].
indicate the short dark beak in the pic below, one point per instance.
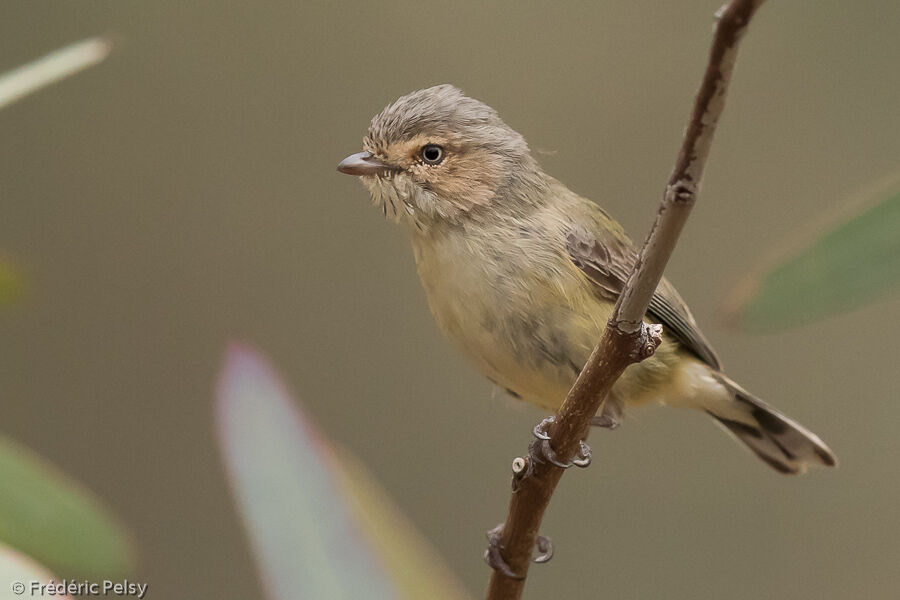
[(362, 163)]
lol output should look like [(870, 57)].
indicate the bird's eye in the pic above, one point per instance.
[(432, 154)]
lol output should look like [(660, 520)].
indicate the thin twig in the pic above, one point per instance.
[(627, 339)]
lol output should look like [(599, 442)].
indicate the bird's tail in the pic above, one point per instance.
[(779, 441)]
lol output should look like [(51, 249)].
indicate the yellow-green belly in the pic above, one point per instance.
[(529, 336)]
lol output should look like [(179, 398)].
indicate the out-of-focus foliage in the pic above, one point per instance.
[(17, 572), (51, 518), (318, 529), (48, 69), (10, 283), (410, 559), (24, 80), (42, 512), (849, 264)]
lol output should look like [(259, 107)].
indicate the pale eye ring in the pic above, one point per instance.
[(432, 154)]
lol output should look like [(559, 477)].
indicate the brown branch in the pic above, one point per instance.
[(627, 339)]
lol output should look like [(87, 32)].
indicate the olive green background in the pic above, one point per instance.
[(184, 193)]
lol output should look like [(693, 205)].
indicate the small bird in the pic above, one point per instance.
[(521, 273)]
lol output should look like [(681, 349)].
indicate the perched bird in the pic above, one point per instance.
[(521, 273)]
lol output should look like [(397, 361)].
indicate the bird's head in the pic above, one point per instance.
[(438, 155)]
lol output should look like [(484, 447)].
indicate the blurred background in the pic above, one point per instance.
[(184, 193)]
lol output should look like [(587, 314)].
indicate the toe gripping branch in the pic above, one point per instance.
[(543, 552), (541, 451)]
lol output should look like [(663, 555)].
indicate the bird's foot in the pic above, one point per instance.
[(543, 552), (493, 556), (606, 421), (542, 451)]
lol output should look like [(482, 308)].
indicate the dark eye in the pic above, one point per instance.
[(432, 154)]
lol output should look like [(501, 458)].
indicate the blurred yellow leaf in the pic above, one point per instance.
[(10, 283), (411, 560), (57, 65)]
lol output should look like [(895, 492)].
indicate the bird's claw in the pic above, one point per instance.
[(583, 457), (543, 452), (540, 430), (543, 552), (493, 556), (544, 548)]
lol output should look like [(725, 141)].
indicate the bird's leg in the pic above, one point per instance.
[(604, 421), (610, 417), (541, 451)]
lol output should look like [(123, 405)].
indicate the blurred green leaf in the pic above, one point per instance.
[(46, 515), (317, 530), (10, 283), (57, 65), (853, 262), (17, 572)]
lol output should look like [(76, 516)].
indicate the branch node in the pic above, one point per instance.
[(720, 13), (682, 191), (522, 467), (646, 341), (519, 466)]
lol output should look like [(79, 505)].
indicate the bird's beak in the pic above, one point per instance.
[(362, 163)]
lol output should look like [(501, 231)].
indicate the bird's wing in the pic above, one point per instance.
[(608, 258)]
